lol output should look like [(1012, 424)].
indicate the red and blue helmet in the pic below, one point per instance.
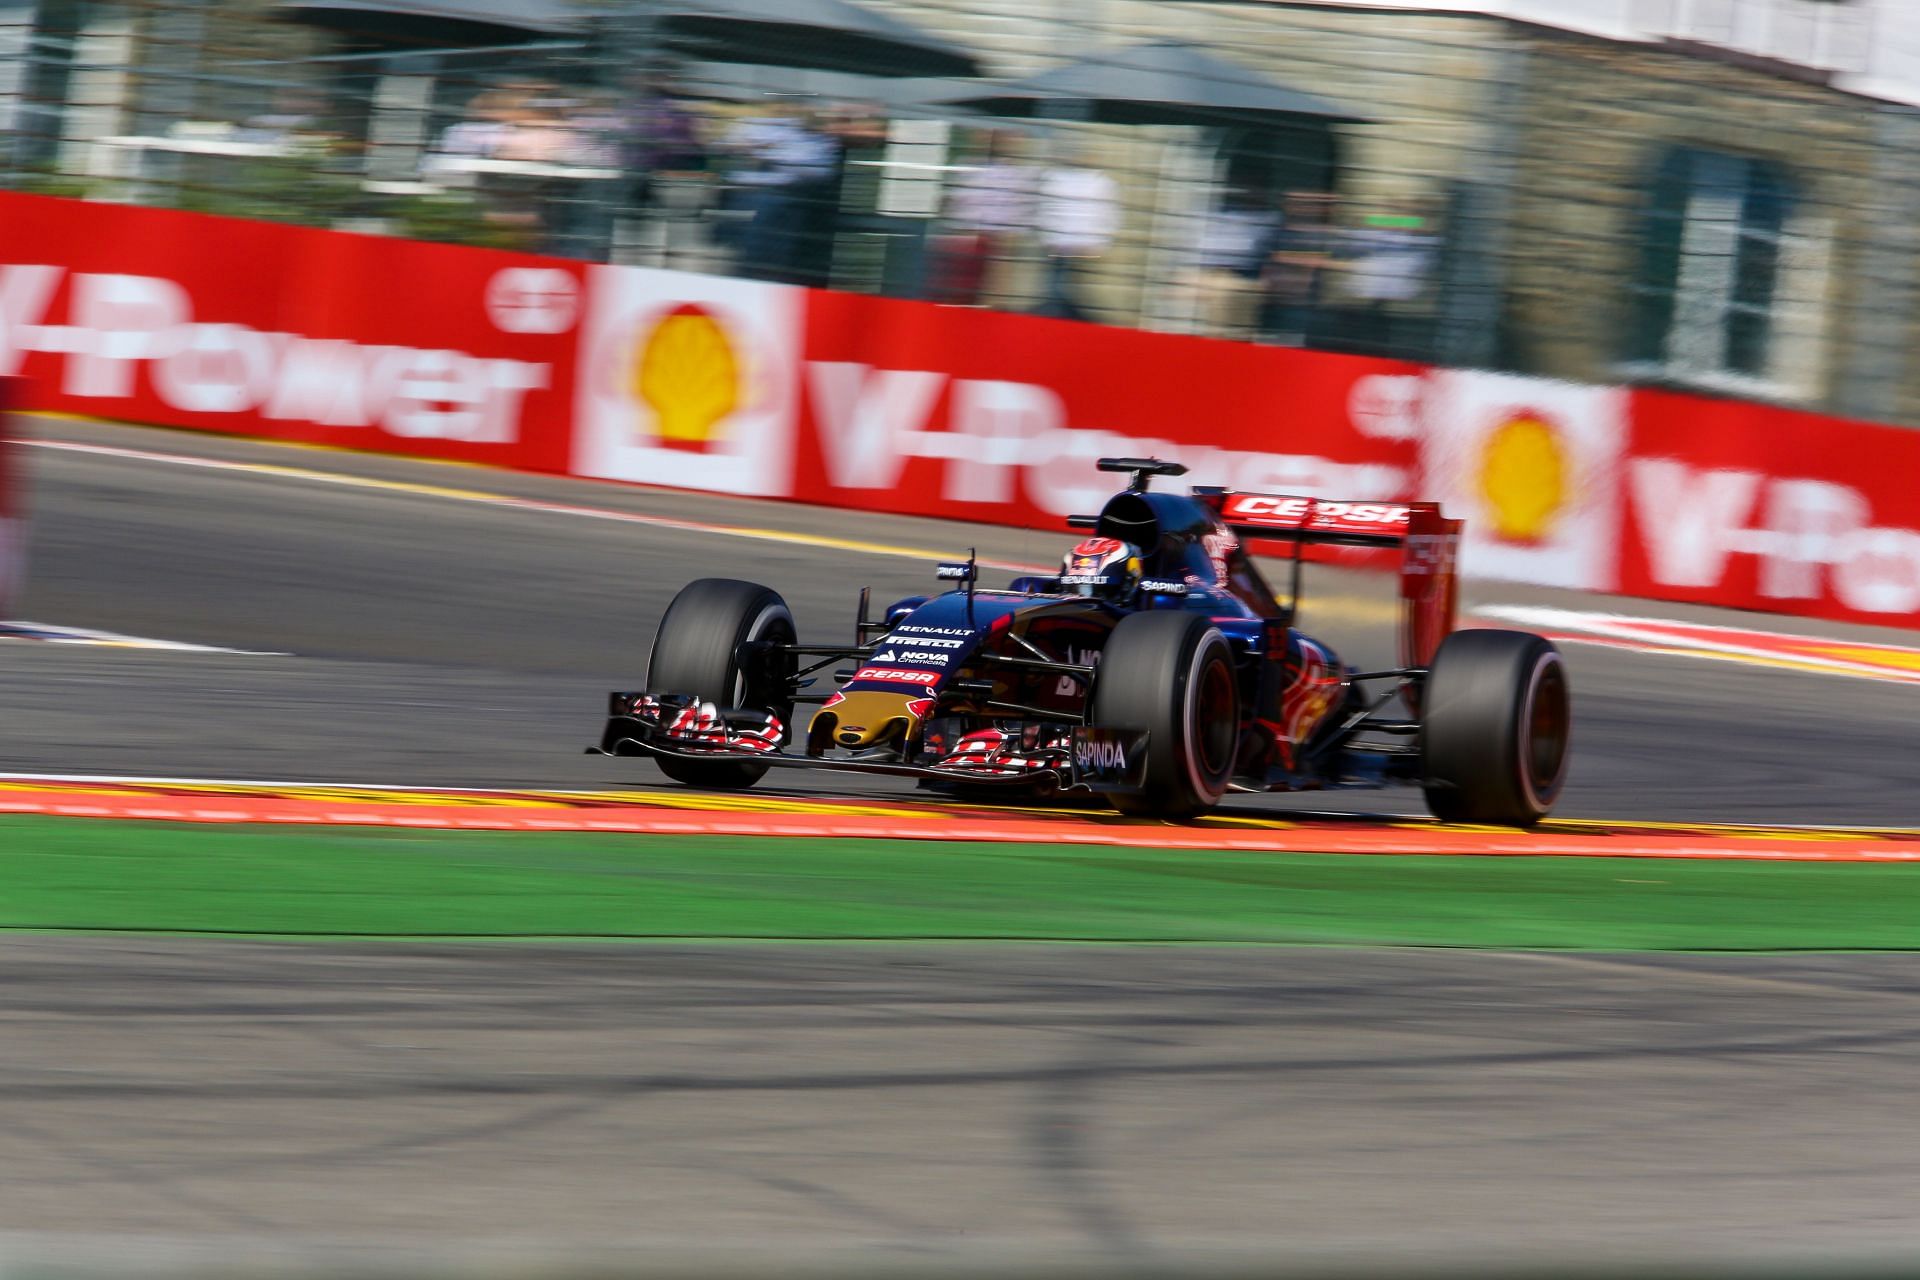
[(1105, 568)]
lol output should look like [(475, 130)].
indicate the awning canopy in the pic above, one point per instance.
[(822, 35), (825, 35), (1163, 82), (451, 22)]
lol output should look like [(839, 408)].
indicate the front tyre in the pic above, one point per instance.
[(1497, 718), (1171, 675), (700, 649)]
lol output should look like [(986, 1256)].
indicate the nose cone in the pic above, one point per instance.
[(863, 719)]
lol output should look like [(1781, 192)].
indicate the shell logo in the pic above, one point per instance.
[(1524, 476), (689, 372)]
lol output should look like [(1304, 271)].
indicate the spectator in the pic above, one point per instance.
[(1077, 218), (788, 174), (1388, 259), (658, 137), (1235, 241), (582, 200), (508, 126), (538, 132), (489, 121), (1294, 278), (595, 127), (856, 126), (987, 207), (738, 157), (850, 201)]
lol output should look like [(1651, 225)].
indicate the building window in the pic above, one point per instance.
[(1704, 299), (45, 73)]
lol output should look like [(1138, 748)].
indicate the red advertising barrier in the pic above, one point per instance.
[(261, 329), (997, 417), (882, 405), (13, 512), (740, 387), (1761, 508)]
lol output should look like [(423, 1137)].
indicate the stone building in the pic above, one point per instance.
[(1687, 219), (1713, 194)]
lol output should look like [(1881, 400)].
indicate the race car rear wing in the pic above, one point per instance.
[(1428, 541), (1312, 520)]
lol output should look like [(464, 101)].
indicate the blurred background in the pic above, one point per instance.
[(1710, 194)]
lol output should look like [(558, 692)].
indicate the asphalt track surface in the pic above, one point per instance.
[(1130, 1101), (1134, 1101), (435, 641)]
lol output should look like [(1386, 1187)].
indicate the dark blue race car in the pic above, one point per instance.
[(1157, 668)]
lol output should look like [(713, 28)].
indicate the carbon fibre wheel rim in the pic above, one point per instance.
[(1214, 728), (1549, 716)]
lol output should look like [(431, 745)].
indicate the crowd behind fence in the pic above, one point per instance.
[(566, 146), (593, 144)]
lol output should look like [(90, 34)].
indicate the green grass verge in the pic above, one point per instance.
[(65, 874)]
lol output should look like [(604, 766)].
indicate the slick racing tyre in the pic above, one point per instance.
[(1497, 717), (698, 651), (1171, 675)]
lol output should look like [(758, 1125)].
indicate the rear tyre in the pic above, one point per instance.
[(1497, 718), (698, 651), (1171, 674)]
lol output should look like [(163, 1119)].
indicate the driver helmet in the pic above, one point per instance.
[(1105, 568)]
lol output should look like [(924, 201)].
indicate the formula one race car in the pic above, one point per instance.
[(1157, 668)]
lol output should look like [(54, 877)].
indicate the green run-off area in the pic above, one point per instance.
[(73, 874)]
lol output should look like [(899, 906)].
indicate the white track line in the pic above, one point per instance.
[(1634, 633), (39, 632), (1606, 622)]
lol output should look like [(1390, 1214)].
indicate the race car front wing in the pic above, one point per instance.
[(1086, 758)]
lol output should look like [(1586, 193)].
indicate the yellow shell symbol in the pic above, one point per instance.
[(1523, 477), (689, 375)]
